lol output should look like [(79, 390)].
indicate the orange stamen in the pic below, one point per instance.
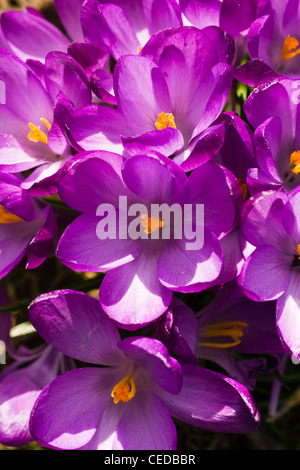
[(165, 120), (290, 48)]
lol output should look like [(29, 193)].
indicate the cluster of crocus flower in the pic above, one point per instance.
[(170, 184)]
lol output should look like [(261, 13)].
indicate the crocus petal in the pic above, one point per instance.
[(31, 36), (152, 181), (262, 218), (88, 252), (204, 147), (153, 356), (13, 157), (213, 402), (132, 294), (15, 199), (18, 393), (141, 92), (145, 425), (43, 242), (254, 72), (69, 14), (32, 101), (64, 420), (201, 13), (97, 127), (266, 273), (14, 243), (93, 178), (117, 31), (166, 141), (288, 316), (75, 324), (179, 266), (186, 59), (211, 185), (267, 138)]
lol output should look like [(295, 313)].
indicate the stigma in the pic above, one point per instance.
[(295, 162), (165, 120), (290, 48), (7, 217), (124, 390), (151, 224), (36, 135), (229, 329)]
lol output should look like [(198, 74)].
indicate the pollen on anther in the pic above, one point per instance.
[(290, 48)]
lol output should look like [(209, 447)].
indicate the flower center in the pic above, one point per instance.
[(165, 120), (151, 224), (124, 390), (36, 135), (295, 161), (7, 217), (290, 48), (231, 329)]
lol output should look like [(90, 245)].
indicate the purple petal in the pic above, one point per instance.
[(167, 141), (64, 74), (210, 185), (41, 245), (287, 314), (152, 181), (145, 425), (153, 356), (64, 420), (212, 401), (69, 14), (81, 249), (97, 127), (202, 13), (180, 267), (141, 92), (117, 31), (94, 178), (254, 72), (31, 36), (75, 324), (266, 273), (205, 146), (132, 294)]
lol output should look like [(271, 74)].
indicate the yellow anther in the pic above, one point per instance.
[(295, 161), (7, 217), (290, 48), (165, 120), (36, 135), (231, 329), (298, 250), (243, 187), (151, 224), (124, 390)]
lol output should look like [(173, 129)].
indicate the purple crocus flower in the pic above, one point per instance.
[(273, 112), (128, 404), (273, 43), (33, 114), (271, 271), (143, 270), (165, 103), (25, 224)]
